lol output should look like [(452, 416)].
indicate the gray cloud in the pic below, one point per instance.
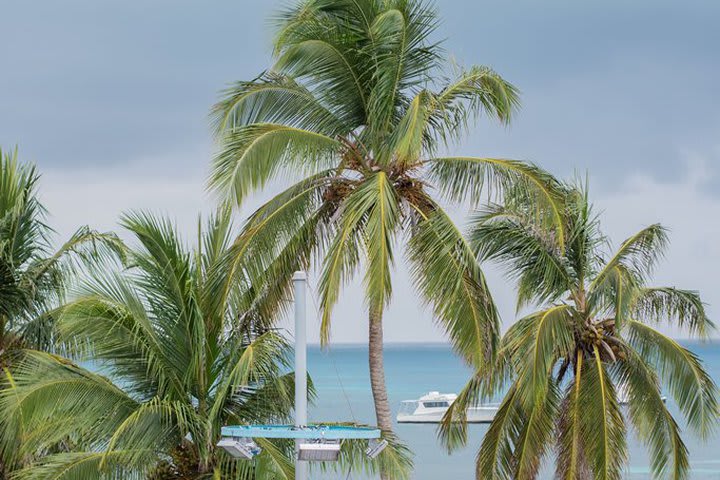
[(684, 205), (608, 86), (111, 99)]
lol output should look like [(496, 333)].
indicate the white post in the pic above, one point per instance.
[(299, 282)]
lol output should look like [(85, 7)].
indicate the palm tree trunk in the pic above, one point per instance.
[(377, 374)]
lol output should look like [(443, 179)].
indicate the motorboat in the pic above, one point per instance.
[(623, 395), (431, 408)]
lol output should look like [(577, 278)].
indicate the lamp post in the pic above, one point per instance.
[(300, 287), (312, 443)]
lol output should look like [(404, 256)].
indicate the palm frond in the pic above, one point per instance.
[(472, 92), (34, 279), (444, 271), (654, 424), (109, 322), (247, 366), (271, 400), (86, 466), (536, 435), (23, 232), (382, 222), (536, 345), (215, 239), (571, 461), (319, 43), (485, 383), (636, 256), (527, 251), (452, 429), (667, 304), (584, 237), (330, 71), (683, 374), (496, 459), (469, 178), (155, 425), (272, 98), (45, 387), (273, 463), (275, 241), (410, 138), (403, 57), (343, 253), (254, 154), (85, 248), (601, 423), (395, 460)]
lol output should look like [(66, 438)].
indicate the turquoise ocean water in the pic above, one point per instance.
[(343, 394)]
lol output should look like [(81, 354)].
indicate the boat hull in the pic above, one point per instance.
[(474, 415)]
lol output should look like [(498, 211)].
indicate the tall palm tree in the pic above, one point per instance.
[(170, 367), (592, 340), (358, 105), (33, 276)]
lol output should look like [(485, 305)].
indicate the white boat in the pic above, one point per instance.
[(623, 395), (430, 408)]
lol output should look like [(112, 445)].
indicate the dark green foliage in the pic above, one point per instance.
[(173, 364)]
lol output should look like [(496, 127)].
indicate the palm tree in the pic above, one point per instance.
[(170, 367), (358, 105), (592, 340), (34, 277)]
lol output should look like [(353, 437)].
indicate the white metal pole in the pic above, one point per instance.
[(299, 282)]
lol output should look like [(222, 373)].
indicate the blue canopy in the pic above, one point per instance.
[(311, 432)]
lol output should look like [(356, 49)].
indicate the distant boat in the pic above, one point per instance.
[(430, 408), (623, 394)]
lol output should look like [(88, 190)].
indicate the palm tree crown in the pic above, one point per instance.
[(171, 366), (358, 104), (594, 337)]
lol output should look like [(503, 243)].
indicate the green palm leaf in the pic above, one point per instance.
[(543, 339), (682, 372), (510, 237), (463, 178), (589, 339), (342, 257), (601, 423), (447, 276), (571, 460), (382, 221), (535, 437), (85, 466), (475, 90), (674, 305), (275, 99), (46, 386), (183, 367), (496, 459), (329, 69), (636, 256), (651, 418), (254, 154)]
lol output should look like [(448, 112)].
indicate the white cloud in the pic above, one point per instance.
[(691, 212), (98, 197)]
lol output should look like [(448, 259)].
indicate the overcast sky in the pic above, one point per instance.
[(110, 99)]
